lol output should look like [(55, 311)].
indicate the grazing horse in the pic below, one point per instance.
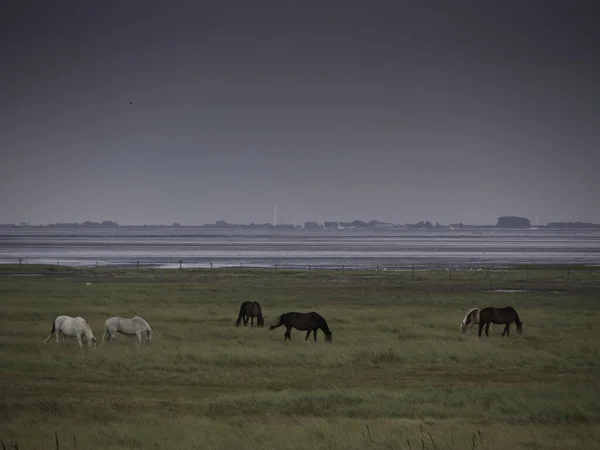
[(250, 310), (501, 316), (135, 326), (65, 326), (470, 319), (310, 321)]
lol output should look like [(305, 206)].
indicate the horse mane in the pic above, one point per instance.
[(468, 314), (322, 322), (89, 334), (518, 319)]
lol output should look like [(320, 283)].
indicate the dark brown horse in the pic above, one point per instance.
[(310, 321), (250, 310), (500, 316)]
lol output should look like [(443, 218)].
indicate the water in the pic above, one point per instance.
[(199, 247)]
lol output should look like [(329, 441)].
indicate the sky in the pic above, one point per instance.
[(153, 112)]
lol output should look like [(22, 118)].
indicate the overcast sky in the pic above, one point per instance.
[(161, 111)]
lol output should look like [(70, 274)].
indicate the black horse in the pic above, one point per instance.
[(250, 310), (310, 321), (499, 316)]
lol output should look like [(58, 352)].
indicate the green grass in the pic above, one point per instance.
[(399, 374)]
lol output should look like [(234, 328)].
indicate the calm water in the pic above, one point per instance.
[(198, 247)]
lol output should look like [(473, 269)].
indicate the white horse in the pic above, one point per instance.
[(470, 319), (129, 327), (65, 326)]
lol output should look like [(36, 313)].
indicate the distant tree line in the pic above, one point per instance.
[(502, 222), (86, 224), (513, 222), (573, 225)]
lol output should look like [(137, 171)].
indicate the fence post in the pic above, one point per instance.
[(211, 265), (180, 264), (137, 265), (20, 262), (377, 269), (96, 264), (275, 267)]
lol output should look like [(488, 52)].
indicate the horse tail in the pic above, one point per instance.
[(106, 333), (51, 332), (240, 316), (279, 323)]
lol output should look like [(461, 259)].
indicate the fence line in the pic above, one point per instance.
[(456, 269)]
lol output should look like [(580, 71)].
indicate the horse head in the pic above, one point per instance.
[(463, 326), (520, 328), (92, 342), (329, 336), (260, 321)]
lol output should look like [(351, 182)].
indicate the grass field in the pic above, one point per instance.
[(399, 374)]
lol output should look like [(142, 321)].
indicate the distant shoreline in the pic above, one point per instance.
[(408, 227), (214, 247)]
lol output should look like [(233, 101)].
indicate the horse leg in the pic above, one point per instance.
[(138, 335), (315, 334), (288, 334), (307, 335), (506, 330), (487, 328), (251, 322), (481, 324), (79, 342)]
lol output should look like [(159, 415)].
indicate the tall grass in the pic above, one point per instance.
[(399, 374)]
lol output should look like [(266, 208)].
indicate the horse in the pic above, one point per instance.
[(502, 316), (250, 310), (135, 326), (310, 321), (470, 319), (66, 326)]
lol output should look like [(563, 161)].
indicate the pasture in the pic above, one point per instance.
[(398, 374)]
